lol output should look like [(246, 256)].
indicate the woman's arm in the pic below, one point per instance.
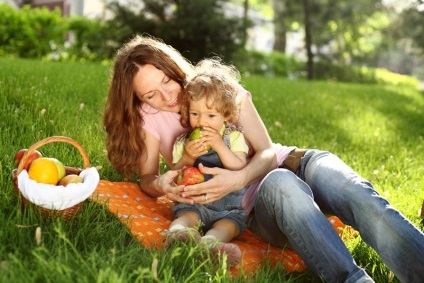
[(263, 161), (151, 182)]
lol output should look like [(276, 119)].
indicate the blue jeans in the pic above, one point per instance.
[(229, 207), (289, 211)]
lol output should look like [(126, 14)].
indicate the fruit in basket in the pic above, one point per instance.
[(60, 167), (44, 170), (18, 156), (70, 179), (190, 175)]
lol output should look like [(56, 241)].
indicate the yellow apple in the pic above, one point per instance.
[(60, 167), (70, 179)]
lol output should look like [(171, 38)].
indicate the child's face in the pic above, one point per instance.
[(201, 115)]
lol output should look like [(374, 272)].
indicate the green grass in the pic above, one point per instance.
[(377, 130)]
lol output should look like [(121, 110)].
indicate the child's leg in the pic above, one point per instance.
[(183, 229), (224, 230), (184, 220), (217, 239)]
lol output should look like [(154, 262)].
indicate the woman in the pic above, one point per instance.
[(142, 120)]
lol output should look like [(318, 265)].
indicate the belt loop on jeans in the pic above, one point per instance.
[(292, 161)]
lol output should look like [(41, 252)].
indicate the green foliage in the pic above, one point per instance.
[(279, 65), (41, 33), (334, 72), (409, 24), (93, 39), (30, 32), (378, 130), (384, 76), (341, 31), (209, 32), (268, 64)]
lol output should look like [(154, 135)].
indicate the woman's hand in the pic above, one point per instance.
[(167, 182), (223, 182)]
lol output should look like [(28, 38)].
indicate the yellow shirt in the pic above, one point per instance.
[(237, 142)]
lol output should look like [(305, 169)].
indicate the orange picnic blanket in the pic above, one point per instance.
[(148, 217)]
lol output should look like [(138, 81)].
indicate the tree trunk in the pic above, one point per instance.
[(280, 29), (245, 21), (308, 41)]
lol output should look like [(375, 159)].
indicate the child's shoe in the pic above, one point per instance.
[(186, 236), (217, 250)]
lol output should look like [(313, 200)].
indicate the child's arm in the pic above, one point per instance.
[(182, 162), (232, 160), (186, 154)]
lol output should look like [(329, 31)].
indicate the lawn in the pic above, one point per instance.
[(378, 130)]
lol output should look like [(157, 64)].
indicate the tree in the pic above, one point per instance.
[(308, 40), (245, 21), (404, 39), (412, 26), (336, 31), (280, 27), (198, 28)]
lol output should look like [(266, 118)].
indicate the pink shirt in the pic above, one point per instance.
[(166, 127)]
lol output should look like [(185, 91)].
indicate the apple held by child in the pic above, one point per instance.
[(195, 134), (18, 156), (190, 175)]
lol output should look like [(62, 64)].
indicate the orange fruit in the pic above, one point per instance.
[(43, 170)]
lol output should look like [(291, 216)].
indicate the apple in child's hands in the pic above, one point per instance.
[(70, 179), (190, 175), (18, 156), (195, 134)]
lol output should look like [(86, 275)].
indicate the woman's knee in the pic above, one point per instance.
[(281, 183)]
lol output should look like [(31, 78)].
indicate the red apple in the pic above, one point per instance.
[(190, 175), (18, 156), (70, 179)]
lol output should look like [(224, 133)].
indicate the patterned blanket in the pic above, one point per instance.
[(148, 217)]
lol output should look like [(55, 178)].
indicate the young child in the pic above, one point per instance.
[(209, 102)]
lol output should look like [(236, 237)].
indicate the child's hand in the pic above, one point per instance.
[(194, 149), (212, 138)]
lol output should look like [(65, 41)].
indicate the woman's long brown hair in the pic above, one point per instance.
[(123, 118)]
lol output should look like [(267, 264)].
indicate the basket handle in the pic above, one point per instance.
[(51, 140)]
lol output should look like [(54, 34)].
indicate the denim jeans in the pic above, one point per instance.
[(289, 211), (229, 207)]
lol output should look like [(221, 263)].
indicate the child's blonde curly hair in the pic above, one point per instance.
[(217, 82)]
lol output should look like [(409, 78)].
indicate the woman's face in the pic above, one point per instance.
[(153, 87)]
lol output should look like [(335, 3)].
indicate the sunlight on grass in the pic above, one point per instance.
[(378, 130)]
